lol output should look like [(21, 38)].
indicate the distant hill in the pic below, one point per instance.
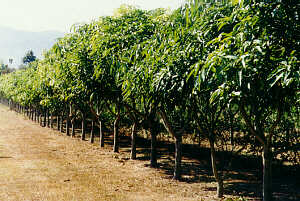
[(15, 43)]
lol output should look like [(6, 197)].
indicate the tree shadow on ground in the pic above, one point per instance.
[(242, 174), (4, 157)]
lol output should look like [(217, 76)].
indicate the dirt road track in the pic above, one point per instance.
[(41, 164)]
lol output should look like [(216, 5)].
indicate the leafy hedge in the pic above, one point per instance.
[(211, 66)]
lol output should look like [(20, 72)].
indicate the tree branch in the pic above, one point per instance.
[(130, 108), (166, 121), (250, 126), (274, 125)]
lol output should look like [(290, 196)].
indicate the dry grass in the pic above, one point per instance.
[(41, 164)]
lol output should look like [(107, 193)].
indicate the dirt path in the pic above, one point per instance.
[(41, 164)]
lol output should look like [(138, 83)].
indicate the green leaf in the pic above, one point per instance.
[(277, 78)]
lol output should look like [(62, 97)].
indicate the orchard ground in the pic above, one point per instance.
[(39, 163)]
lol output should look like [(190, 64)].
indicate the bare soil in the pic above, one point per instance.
[(41, 164)]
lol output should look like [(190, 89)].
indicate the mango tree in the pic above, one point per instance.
[(207, 114), (115, 46), (140, 98), (258, 61)]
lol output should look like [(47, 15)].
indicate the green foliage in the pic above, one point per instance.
[(204, 55), (202, 64)]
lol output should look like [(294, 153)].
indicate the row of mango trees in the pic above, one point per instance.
[(202, 66)]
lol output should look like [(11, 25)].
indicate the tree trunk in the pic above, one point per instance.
[(38, 117), (35, 115), (219, 179), (83, 126), (73, 127), (133, 142), (101, 142), (31, 113), (67, 126), (153, 156), (73, 120), (178, 156), (92, 138), (68, 116), (48, 119), (61, 124), (267, 173), (45, 119), (178, 143), (51, 120), (116, 132), (41, 118), (57, 122)]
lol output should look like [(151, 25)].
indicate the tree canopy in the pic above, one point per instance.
[(29, 57), (186, 70)]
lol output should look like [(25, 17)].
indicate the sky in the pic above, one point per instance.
[(60, 15)]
